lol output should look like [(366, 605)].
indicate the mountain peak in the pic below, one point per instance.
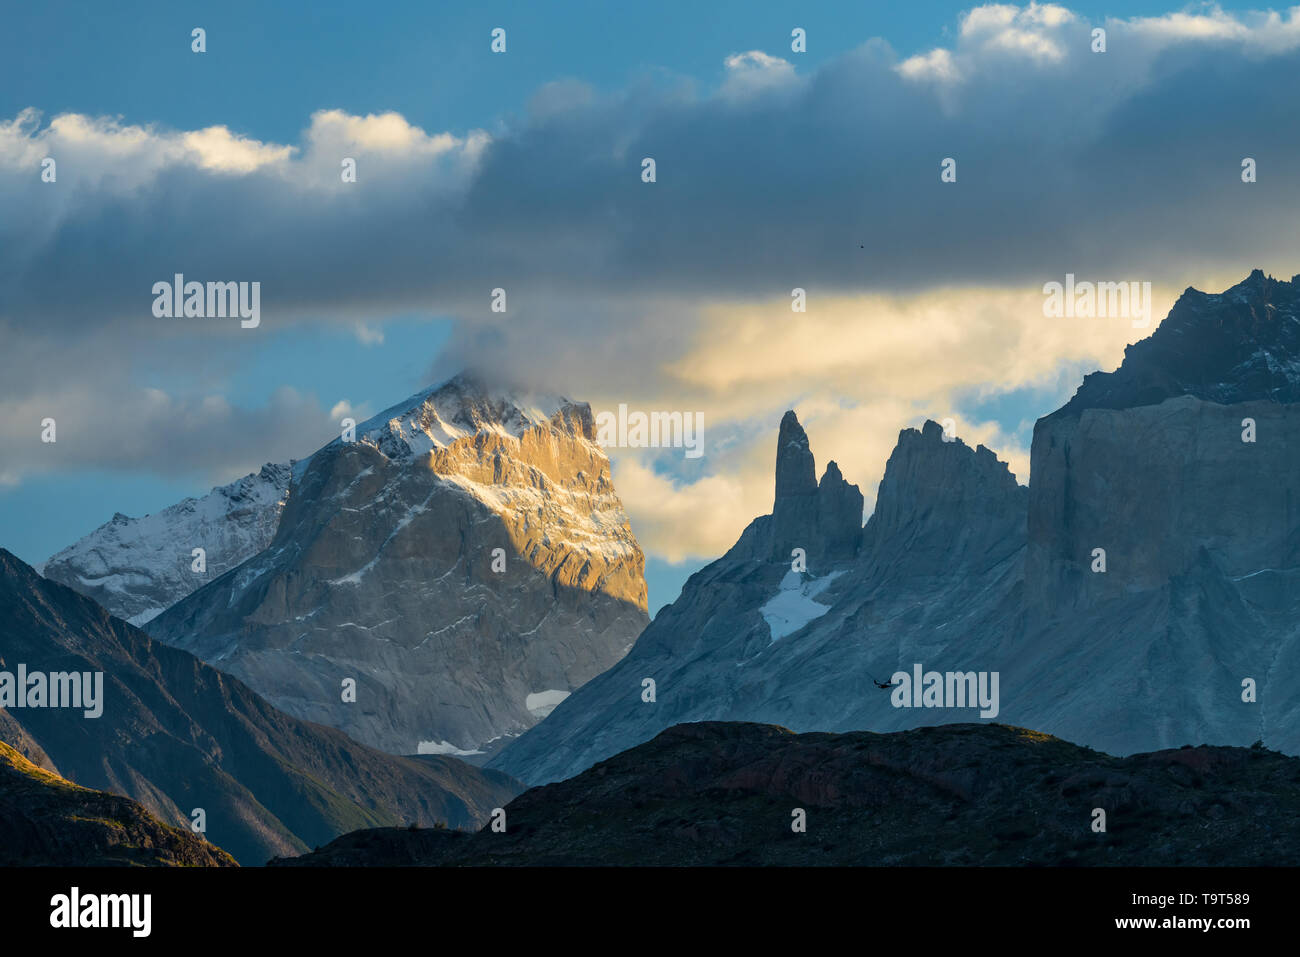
[(796, 470), (1257, 279), (926, 449), (937, 495), (825, 520), (464, 405), (1240, 345), (467, 555), (931, 431)]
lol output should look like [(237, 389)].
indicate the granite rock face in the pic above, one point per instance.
[(1156, 485), (138, 567), (465, 561), (824, 519), (943, 509), (1191, 634), (1183, 467), (751, 639)]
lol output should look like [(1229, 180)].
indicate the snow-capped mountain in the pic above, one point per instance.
[(137, 567), (464, 560), (1142, 593)]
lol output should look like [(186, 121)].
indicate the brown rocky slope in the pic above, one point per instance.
[(48, 821)]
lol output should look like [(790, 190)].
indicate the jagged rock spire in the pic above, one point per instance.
[(825, 519), (796, 470)]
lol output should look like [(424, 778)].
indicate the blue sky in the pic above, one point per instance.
[(778, 169), (270, 65)]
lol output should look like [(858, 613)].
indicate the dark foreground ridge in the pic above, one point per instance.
[(47, 821), (723, 793)]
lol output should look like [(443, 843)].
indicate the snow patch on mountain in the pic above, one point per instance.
[(456, 409), (138, 567), (443, 747), (542, 703), (795, 604)]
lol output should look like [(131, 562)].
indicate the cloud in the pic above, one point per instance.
[(935, 66), (1267, 32), (108, 155), (183, 422), (755, 73), (148, 429), (923, 295), (216, 148), (1033, 31), (684, 521), (770, 179), (856, 369)]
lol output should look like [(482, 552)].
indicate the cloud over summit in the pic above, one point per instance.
[(1121, 165)]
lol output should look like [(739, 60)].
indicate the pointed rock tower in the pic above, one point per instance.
[(825, 519)]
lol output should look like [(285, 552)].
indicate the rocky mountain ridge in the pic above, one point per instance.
[(1139, 594), (138, 567), (752, 639), (177, 735)]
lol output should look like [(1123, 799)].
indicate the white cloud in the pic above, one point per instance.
[(109, 154), (681, 521), (1033, 30), (755, 72), (1259, 31), (216, 148), (342, 410), (119, 157), (937, 66)]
